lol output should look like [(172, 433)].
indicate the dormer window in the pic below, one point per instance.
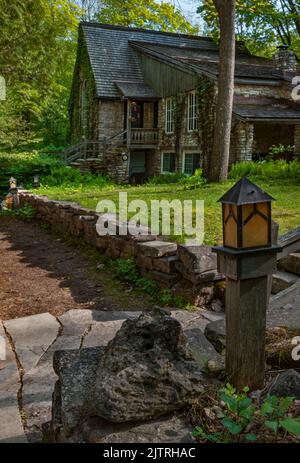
[(192, 111)]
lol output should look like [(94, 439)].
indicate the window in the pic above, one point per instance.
[(192, 112), (168, 162), (191, 162), (170, 107)]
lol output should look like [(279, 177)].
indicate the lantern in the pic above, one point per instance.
[(247, 218), (12, 183), (36, 182)]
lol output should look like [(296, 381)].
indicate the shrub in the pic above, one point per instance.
[(66, 176), (236, 417), (267, 170), (166, 178)]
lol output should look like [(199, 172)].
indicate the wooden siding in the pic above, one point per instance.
[(165, 79)]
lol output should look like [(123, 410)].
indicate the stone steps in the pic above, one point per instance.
[(282, 280), (290, 263)]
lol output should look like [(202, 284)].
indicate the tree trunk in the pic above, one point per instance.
[(220, 155)]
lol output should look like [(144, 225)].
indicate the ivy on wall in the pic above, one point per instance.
[(83, 75), (206, 91), (179, 113)]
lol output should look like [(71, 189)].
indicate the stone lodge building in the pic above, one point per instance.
[(143, 102)]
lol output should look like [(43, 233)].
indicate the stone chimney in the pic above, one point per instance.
[(285, 59)]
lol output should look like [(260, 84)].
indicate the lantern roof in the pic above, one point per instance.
[(245, 192)]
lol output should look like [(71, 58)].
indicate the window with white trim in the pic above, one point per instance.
[(170, 109), (192, 111), (191, 163), (167, 163)]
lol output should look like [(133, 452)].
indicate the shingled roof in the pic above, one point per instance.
[(113, 59), (114, 50)]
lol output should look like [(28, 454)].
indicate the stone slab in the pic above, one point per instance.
[(11, 428), (282, 280), (32, 336), (290, 263), (157, 248)]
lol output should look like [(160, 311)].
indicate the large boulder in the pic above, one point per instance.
[(146, 371)]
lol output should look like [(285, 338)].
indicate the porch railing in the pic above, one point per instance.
[(144, 136)]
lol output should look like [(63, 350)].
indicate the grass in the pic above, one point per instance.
[(286, 208), (280, 179)]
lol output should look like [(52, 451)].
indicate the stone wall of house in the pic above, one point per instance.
[(297, 139), (111, 118), (188, 270), (241, 142), (267, 91)]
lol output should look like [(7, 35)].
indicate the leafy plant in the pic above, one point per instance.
[(267, 170), (237, 418), (127, 270), (25, 213)]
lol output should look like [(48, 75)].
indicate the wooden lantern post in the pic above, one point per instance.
[(246, 258)]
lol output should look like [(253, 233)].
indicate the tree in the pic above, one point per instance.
[(148, 14), (38, 46), (262, 24), (218, 165)]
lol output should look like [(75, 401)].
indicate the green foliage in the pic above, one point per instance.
[(26, 213), (240, 419), (277, 150), (166, 178), (38, 45), (127, 270), (260, 23), (148, 14), (23, 166), (267, 170), (62, 176)]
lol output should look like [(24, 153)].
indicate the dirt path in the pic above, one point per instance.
[(40, 272)]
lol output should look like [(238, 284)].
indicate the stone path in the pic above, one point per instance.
[(27, 378)]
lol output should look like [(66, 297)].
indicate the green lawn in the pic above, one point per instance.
[(286, 208)]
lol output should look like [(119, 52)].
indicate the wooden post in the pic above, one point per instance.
[(247, 258)]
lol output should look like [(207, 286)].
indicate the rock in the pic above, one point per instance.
[(284, 309), (291, 263), (286, 384), (165, 264), (197, 258), (146, 371), (157, 248), (282, 281), (73, 394), (216, 334), (203, 351), (169, 429)]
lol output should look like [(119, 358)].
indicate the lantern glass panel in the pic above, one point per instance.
[(230, 225), (255, 225)]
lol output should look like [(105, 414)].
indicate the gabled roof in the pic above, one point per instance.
[(136, 90), (112, 58), (245, 192)]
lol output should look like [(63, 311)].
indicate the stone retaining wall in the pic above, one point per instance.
[(172, 266)]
